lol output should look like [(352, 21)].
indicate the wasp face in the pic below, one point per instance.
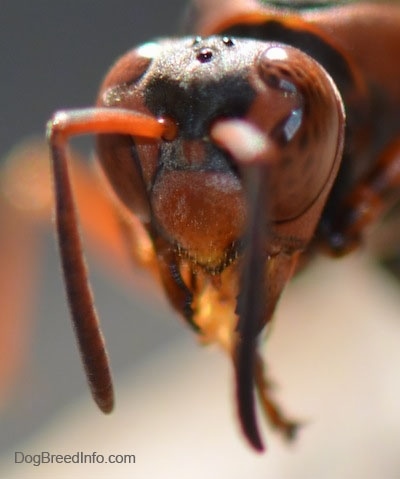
[(188, 189)]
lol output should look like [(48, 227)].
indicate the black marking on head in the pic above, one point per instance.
[(197, 82)]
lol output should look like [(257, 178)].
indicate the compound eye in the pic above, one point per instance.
[(274, 69), (300, 109), (128, 70)]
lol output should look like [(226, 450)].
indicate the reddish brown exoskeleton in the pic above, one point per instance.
[(233, 157)]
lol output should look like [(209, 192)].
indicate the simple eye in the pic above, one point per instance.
[(228, 41), (205, 55)]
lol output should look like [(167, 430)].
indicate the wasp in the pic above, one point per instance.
[(231, 157)]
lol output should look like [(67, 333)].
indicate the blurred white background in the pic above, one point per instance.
[(334, 349)]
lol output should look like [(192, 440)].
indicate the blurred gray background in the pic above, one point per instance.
[(53, 55)]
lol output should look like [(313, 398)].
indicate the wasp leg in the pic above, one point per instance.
[(25, 201), (272, 410), (365, 205)]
